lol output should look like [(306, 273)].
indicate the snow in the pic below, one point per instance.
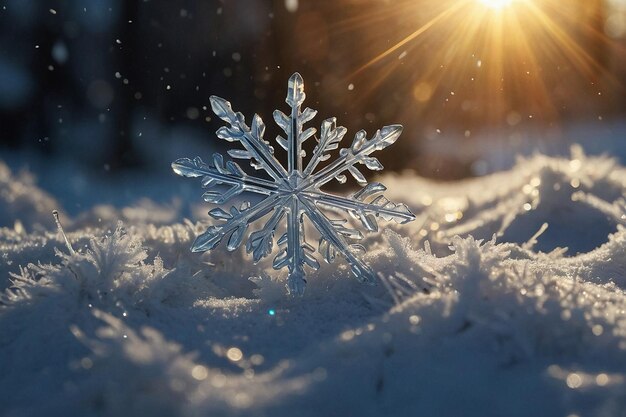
[(480, 309)]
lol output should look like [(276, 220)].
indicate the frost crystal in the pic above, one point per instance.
[(293, 193)]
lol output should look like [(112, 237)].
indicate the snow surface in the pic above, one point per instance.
[(504, 298)]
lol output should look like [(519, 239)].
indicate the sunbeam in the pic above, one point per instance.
[(505, 54)]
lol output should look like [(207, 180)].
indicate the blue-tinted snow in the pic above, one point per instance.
[(136, 324)]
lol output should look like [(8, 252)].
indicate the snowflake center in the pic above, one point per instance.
[(294, 183)]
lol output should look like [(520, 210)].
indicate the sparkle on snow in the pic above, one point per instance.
[(293, 193)]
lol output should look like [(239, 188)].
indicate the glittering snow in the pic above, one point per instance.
[(504, 297)]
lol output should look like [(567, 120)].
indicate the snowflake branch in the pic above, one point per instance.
[(357, 153), (293, 256), (360, 270), (261, 241), (399, 213), (330, 137), (252, 140), (193, 168), (297, 280), (292, 125), (236, 223)]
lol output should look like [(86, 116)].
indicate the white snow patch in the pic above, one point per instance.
[(481, 310)]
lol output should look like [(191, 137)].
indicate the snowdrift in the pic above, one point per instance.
[(504, 298)]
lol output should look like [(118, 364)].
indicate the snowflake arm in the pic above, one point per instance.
[(358, 152), (261, 241), (292, 125), (256, 149), (331, 135), (237, 222), (363, 211), (333, 238), (229, 174), (296, 251)]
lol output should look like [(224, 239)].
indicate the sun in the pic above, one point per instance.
[(496, 4)]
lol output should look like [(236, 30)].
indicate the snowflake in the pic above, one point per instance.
[(293, 193)]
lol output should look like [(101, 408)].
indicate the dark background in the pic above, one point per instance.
[(116, 85)]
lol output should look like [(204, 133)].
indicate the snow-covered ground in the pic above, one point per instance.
[(504, 298)]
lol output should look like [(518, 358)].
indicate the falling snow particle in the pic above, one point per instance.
[(60, 53)]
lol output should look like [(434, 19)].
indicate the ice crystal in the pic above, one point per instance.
[(293, 192)]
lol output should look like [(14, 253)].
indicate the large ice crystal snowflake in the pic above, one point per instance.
[(293, 192)]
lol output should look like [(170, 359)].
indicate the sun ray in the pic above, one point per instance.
[(573, 51), (498, 56), (539, 91), (441, 16)]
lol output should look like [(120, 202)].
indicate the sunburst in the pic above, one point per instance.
[(502, 53)]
